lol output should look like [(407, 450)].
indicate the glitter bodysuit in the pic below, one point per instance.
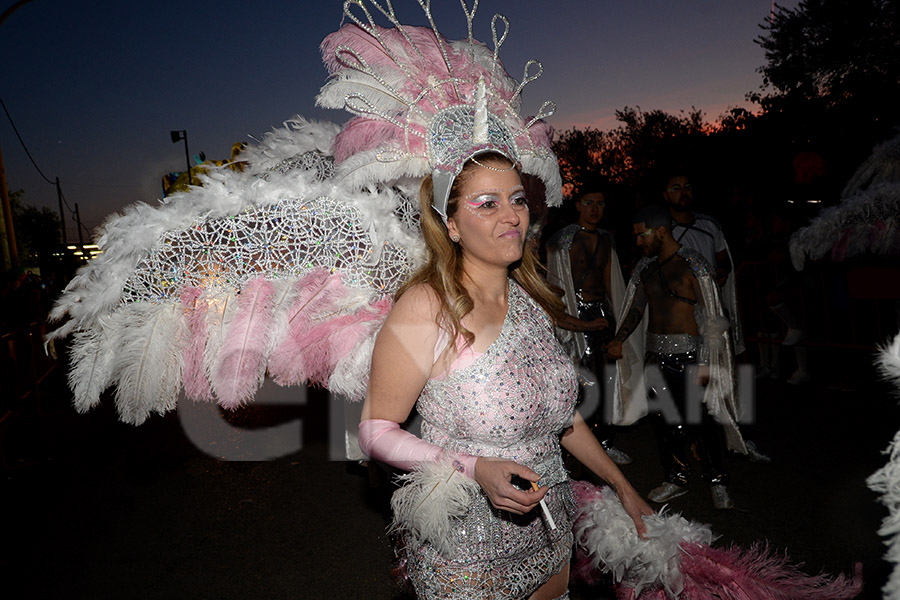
[(513, 401)]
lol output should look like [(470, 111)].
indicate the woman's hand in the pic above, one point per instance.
[(494, 475), (636, 507)]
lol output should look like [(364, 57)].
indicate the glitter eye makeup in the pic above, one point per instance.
[(479, 198), (482, 199)]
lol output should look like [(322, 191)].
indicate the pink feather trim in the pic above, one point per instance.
[(421, 63), (540, 134), (757, 574), (241, 365), (196, 384), (330, 341), (317, 293), (725, 574), (363, 133)]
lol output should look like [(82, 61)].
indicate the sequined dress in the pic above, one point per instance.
[(512, 402)]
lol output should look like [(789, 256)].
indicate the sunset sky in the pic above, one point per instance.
[(94, 88)]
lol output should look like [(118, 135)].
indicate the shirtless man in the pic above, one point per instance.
[(582, 261), (704, 234), (687, 340)]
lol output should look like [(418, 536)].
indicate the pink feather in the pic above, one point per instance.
[(756, 574), (353, 36), (421, 63), (725, 574), (317, 293), (540, 134), (366, 319), (241, 365), (363, 133), (329, 341), (196, 384)]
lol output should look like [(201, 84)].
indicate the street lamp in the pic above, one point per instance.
[(177, 136)]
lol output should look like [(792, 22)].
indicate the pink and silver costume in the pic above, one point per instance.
[(512, 402)]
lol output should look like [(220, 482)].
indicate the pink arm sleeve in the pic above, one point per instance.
[(385, 441)]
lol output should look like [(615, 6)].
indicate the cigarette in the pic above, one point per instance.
[(546, 510)]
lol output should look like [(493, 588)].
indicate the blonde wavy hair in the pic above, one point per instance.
[(443, 269)]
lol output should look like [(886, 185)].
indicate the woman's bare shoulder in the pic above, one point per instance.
[(420, 304)]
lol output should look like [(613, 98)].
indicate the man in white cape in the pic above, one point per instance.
[(678, 356)]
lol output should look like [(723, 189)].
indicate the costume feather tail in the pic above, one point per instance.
[(755, 574), (334, 338), (676, 560), (241, 365)]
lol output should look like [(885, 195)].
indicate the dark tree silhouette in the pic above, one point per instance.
[(841, 53), (832, 76), (37, 231), (626, 154)]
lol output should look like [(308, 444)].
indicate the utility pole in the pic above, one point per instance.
[(62, 214), (10, 253), (78, 224), (178, 135)]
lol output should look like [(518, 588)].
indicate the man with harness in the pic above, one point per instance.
[(703, 234), (674, 301)]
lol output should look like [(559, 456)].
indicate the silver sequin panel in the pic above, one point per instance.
[(672, 343), (283, 240)]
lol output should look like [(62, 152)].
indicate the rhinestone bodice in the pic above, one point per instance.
[(512, 402)]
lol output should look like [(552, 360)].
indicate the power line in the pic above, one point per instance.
[(24, 147)]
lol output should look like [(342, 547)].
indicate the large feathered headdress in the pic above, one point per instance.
[(426, 105)]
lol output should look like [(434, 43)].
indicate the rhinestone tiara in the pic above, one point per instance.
[(423, 104)]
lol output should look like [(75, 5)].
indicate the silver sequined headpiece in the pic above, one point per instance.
[(462, 132), (427, 105)]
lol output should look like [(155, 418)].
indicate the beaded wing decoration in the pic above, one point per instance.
[(287, 268)]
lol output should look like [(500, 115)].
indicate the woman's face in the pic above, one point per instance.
[(491, 216)]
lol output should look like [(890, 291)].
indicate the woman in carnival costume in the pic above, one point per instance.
[(288, 269)]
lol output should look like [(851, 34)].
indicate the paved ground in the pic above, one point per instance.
[(97, 509)]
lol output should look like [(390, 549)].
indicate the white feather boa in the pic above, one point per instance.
[(608, 535), (432, 498), (886, 481)]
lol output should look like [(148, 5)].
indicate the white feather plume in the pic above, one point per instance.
[(219, 316), (888, 361), (90, 370), (431, 499), (608, 535), (350, 377), (886, 481), (547, 169), (148, 359)]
